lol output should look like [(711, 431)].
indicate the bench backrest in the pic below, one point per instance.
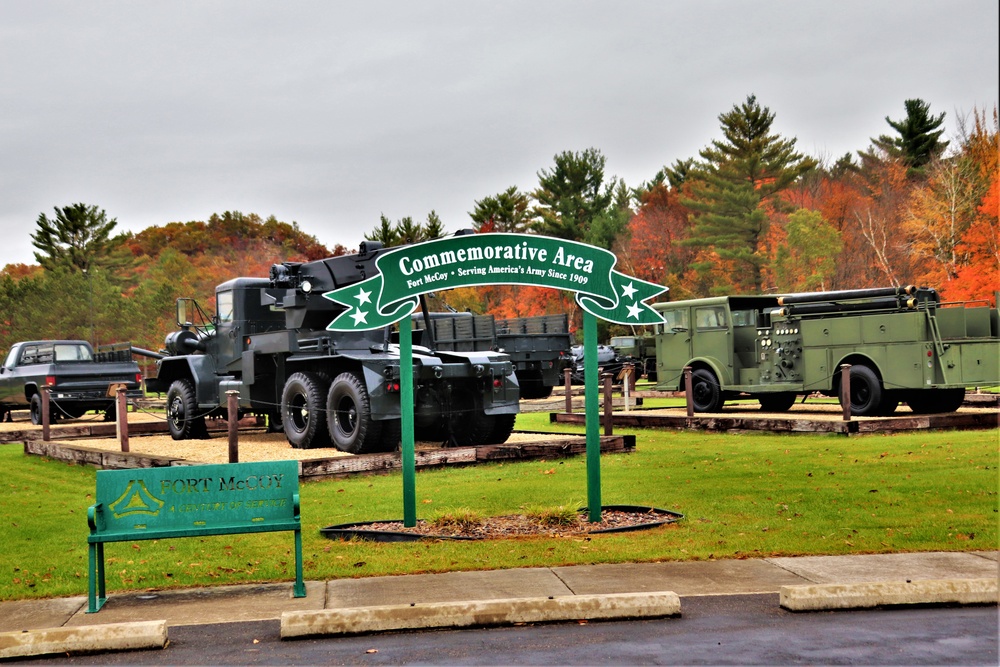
[(195, 500)]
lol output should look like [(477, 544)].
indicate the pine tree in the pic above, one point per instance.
[(506, 211), (736, 187), (77, 239), (571, 195), (919, 139)]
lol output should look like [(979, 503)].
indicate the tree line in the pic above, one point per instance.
[(749, 214)]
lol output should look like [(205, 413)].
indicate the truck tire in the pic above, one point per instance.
[(349, 417), (468, 425), (934, 401), (866, 392), (705, 391), (777, 402), (534, 388), (503, 426), (35, 409), (182, 406), (303, 403)]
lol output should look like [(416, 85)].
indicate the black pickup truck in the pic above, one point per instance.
[(78, 379)]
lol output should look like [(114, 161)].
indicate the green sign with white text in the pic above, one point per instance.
[(491, 259)]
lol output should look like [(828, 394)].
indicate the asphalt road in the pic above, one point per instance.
[(716, 630)]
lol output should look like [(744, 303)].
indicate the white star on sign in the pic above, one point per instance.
[(633, 310), (628, 291), (362, 296), (359, 316)]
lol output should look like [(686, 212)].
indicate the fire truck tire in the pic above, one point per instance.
[(706, 392), (303, 403), (778, 402), (934, 401), (866, 391), (349, 416)]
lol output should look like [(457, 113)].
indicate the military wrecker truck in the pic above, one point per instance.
[(902, 344), (539, 346), (268, 341)]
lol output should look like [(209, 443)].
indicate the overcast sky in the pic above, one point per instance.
[(331, 113)]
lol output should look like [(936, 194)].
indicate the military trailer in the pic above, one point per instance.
[(538, 346), (903, 346), (268, 341)]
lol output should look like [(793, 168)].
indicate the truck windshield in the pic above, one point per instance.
[(675, 320), (711, 318), (224, 306)]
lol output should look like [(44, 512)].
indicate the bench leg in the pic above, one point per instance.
[(96, 594), (300, 587)]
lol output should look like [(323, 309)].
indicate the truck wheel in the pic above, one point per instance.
[(182, 407), (503, 426), (35, 409), (866, 392), (705, 390), (349, 416), (934, 401), (534, 388), (303, 402), (778, 402)]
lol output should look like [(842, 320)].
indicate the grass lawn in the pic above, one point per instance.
[(743, 496)]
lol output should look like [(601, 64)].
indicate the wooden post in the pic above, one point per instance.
[(122, 416), (628, 384), (608, 404), (845, 390), (233, 412), (45, 414), (568, 374), (688, 391)]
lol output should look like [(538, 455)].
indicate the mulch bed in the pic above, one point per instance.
[(621, 518)]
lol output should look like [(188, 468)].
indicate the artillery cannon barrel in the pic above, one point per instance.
[(885, 303), (875, 292), (142, 352)]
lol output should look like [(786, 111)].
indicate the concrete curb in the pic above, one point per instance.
[(363, 620), (884, 593), (84, 638)]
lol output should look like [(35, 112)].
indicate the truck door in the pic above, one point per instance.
[(673, 346), (712, 338), (6, 382)]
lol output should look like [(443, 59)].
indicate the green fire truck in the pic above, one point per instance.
[(903, 345)]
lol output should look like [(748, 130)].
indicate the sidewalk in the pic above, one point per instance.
[(556, 586)]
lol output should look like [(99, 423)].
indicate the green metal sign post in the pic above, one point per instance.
[(407, 272)]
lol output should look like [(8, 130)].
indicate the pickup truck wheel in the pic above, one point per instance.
[(303, 403), (866, 392), (349, 416), (182, 406), (705, 390), (35, 408), (779, 402)]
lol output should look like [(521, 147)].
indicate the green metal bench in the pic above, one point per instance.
[(191, 501)]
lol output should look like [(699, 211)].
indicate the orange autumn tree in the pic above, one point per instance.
[(980, 277)]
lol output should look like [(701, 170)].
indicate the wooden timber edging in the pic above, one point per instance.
[(110, 429), (955, 420), (346, 465)]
